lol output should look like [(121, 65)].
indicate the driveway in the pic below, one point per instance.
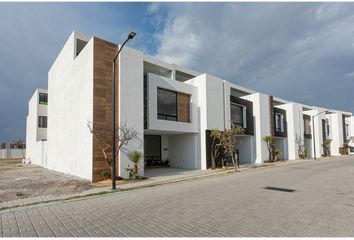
[(19, 181), (311, 199)]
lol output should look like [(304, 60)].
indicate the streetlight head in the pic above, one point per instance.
[(131, 35)]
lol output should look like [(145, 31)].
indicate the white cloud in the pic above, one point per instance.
[(284, 49), (349, 75)]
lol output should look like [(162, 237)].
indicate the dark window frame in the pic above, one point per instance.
[(163, 116), (42, 122), (243, 108), (307, 119), (41, 100), (281, 122)]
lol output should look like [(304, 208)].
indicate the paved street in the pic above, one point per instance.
[(233, 205)]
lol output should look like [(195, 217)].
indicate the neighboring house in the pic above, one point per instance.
[(13, 150), (173, 110), (36, 132)]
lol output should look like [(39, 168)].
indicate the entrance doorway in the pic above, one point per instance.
[(152, 150)]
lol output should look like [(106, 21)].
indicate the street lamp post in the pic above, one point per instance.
[(313, 131), (113, 174)]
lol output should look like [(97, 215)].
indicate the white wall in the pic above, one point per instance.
[(336, 129), (318, 130), (294, 119), (210, 101), (34, 134), (155, 81), (182, 152), (246, 149), (12, 153), (131, 104), (261, 124), (70, 100)]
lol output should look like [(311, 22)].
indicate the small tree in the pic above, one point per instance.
[(135, 158), (326, 148), (216, 145), (104, 137), (277, 153), (229, 142), (270, 146), (300, 147)]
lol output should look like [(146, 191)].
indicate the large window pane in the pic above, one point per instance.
[(166, 105), (43, 98), (237, 115), (307, 126), (279, 124), (42, 121)]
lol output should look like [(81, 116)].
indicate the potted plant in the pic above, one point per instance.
[(344, 149), (135, 158), (306, 152), (326, 148), (277, 153)]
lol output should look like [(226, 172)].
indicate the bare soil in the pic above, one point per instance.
[(25, 180)]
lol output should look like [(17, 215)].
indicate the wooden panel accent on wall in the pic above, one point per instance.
[(103, 53), (183, 107)]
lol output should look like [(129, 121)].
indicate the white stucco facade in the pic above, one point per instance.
[(184, 144), (36, 136)]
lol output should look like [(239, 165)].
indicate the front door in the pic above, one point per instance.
[(152, 150)]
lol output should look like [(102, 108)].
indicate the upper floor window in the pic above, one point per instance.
[(237, 115), (307, 126), (42, 121), (43, 98), (279, 122), (166, 104), (347, 130)]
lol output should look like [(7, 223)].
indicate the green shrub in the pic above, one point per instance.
[(105, 174)]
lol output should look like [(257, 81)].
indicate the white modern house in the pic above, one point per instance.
[(36, 130), (173, 110)]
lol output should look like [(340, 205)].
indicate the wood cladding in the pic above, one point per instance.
[(103, 54), (183, 107)]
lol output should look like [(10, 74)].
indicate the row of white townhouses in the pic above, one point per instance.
[(171, 108)]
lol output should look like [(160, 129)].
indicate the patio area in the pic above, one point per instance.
[(166, 173)]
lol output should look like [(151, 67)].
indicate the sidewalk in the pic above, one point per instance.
[(158, 181)]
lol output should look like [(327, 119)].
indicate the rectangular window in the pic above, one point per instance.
[(327, 129), (307, 126), (42, 121), (237, 115), (166, 104), (347, 130), (279, 122), (43, 98)]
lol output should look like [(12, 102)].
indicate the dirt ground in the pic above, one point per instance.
[(25, 180)]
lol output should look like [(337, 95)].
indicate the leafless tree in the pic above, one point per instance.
[(300, 147), (230, 141), (216, 145), (104, 138)]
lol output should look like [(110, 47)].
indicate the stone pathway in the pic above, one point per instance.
[(186, 176), (250, 203)]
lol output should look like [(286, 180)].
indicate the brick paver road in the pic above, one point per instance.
[(233, 205)]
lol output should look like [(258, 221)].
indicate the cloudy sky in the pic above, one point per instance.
[(302, 52)]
